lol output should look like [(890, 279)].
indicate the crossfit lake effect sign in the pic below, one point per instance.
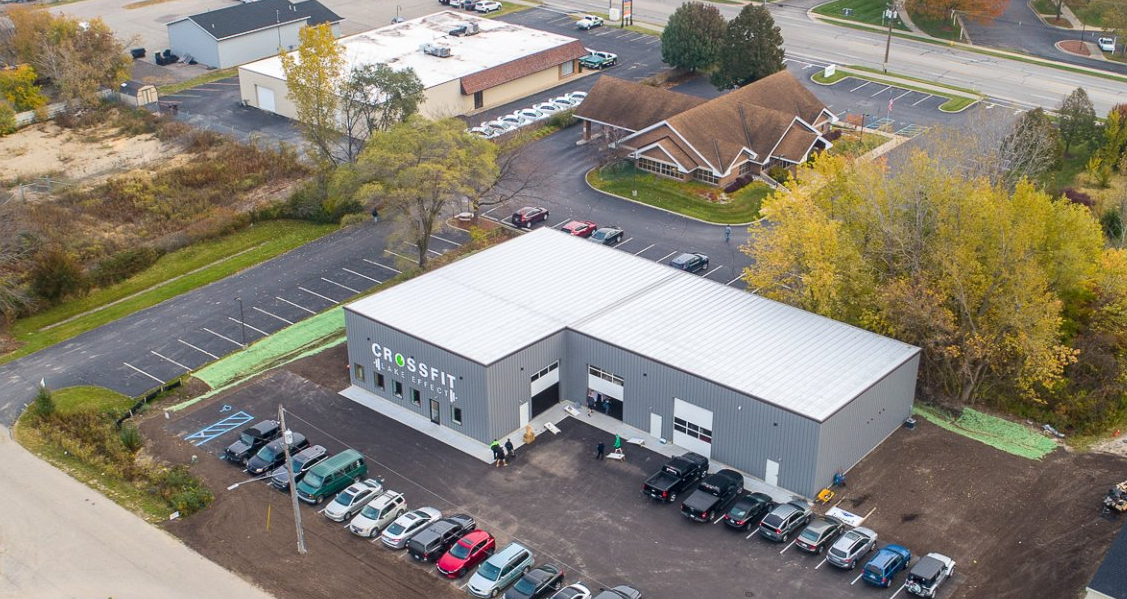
[(418, 373)]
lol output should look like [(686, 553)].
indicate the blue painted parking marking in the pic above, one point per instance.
[(227, 424)]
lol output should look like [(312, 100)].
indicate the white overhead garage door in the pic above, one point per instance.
[(692, 427), (265, 97)]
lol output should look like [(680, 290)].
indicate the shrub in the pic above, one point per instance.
[(7, 118), (123, 265), (562, 120), (1078, 197), (57, 274), (44, 403), (353, 219), (833, 135), (740, 182), (1112, 223), (779, 174), (181, 490), (131, 437)]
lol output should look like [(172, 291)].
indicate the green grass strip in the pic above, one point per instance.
[(864, 11), (69, 400), (996, 432), (680, 197), (208, 77)]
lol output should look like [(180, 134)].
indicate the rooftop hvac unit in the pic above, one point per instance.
[(436, 50)]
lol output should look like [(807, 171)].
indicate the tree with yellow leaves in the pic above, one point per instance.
[(313, 72)]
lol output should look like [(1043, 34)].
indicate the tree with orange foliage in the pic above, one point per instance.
[(975, 10)]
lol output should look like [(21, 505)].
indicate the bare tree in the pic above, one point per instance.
[(521, 175), (14, 247)]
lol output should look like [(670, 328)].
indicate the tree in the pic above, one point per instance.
[(982, 11), (752, 50), (56, 275), (373, 98), (1114, 143), (17, 86), (421, 170), (522, 174), (693, 36), (1031, 148), (313, 73), (1077, 118)]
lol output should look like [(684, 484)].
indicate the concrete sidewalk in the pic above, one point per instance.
[(59, 539)]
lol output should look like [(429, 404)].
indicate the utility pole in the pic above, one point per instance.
[(287, 437), (888, 43)]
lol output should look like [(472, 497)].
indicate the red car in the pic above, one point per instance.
[(580, 228), (468, 552)]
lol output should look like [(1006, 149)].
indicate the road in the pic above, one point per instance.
[(61, 539)]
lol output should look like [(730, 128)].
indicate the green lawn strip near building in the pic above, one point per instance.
[(957, 99), (680, 197), (863, 11), (208, 77), (996, 432), (196, 266), (508, 8), (854, 145), (938, 28)]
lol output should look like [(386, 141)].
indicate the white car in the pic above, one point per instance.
[(501, 127), (483, 132), (573, 591), (1107, 44), (515, 119), (925, 577), (487, 6), (407, 525), (379, 512), (577, 97), (532, 114), (352, 499), (589, 22), (564, 102), (549, 108)]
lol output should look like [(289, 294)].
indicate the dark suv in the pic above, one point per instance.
[(434, 540), (250, 440), (690, 262), (784, 520), (528, 216), (303, 462), (273, 454)]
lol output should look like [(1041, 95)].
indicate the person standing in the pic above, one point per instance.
[(495, 446), (590, 401), (617, 442), (727, 233), (606, 406), (375, 215), (510, 451), (599, 449)]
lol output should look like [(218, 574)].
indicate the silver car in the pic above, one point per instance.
[(852, 547), (407, 525), (379, 512), (352, 500)]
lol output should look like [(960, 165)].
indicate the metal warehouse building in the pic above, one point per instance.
[(483, 345)]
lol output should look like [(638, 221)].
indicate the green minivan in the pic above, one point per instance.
[(331, 476)]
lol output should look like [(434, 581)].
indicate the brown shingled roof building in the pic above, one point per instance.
[(775, 121)]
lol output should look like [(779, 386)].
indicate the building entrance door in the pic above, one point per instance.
[(435, 413)]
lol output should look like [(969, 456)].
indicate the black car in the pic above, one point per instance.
[(431, 542), (528, 216), (273, 454), (690, 262), (820, 534), (303, 462), (250, 440), (537, 583), (749, 510)]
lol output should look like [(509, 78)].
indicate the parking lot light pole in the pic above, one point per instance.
[(287, 439), (242, 321), (891, 12)]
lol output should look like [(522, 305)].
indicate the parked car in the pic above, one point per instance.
[(677, 475), (483, 132), (549, 108), (819, 534), (748, 511), (589, 22), (850, 547), (431, 543), (573, 591), (502, 568), (608, 235), (303, 461), (576, 97), (532, 114), (885, 564), (784, 520), (564, 102), (353, 499), (580, 228), (331, 475), (1106, 44), (468, 552), (537, 583), (528, 216), (377, 514), (598, 60), (408, 525), (925, 577), (250, 440), (516, 118), (501, 127), (273, 454), (690, 261), (487, 6), (619, 592), (713, 495)]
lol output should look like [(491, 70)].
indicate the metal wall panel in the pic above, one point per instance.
[(508, 381), (186, 37)]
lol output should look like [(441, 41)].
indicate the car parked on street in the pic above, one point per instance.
[(690, 262), (748, 511), (303, 461), (619, 592), (573, 591), (589, 22), (1106, 44), (501, 569), (468, 552), (608, 235), (713, 495), (408, 525), (925, 577), (431, 543), (377, 514), (819, 534), (528, 216), (850, 547), (785, 520), (250, 440), (580, 228), (487, 6), (273, 454), (351, 500), (885, 564), (537, 583)]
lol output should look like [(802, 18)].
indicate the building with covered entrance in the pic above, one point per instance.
[(485, 344)]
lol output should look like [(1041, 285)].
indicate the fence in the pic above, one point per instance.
[(51, 111)]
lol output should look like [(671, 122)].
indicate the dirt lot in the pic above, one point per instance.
[(78, 154), (1002, 518)]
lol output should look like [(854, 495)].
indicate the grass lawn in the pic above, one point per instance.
[(940, 28), (208, 77), (1075, 163), (864, 11), (199, 264), (508, 8), (854, 145), (91, 399), (679, 197)]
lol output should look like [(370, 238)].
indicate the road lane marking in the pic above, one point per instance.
[(360, 275), (644, 249), (859, 87), (858, 578), (453, 243), (787, 547), (374, 263), (202, 351), (249, 326), (169, 359), (738, 277), (272, 315), (666, 256), (317, 294), (143, 372), (223, 337), (339, 285), (294, 305)]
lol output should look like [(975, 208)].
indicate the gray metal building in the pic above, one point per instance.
[(483, 345)]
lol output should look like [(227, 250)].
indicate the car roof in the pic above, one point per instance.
[(820, 525), (927, 568), (312, 451), (475, 535), (508, 552)]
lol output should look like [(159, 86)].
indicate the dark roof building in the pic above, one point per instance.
[(1110, 581)]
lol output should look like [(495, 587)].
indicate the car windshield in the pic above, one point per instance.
[(313, 480), (395, 528), (526, 586), (809, 535), (246, 438), (267, 454), (772, 520), (489, 571), (370, 512), (461, 550), (599, 235), (345, 498)]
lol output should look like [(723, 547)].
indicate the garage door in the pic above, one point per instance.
[(692, 427), (265, 97)]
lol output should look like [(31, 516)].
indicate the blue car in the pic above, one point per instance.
[(885, 564)]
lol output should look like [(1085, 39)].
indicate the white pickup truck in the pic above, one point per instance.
[(589, 22)]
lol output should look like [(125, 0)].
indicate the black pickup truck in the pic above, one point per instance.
[(713, 495), (678, 474)]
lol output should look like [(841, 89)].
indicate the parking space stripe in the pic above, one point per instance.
[(143, 372), (492, 218), (718, 519), (561, 223), (752, 534), (435, 252), (897, 592), (360, 275), (921, 99), (317, 294), (339, 285), (294, 305), (223, 337), (886, 88), (374, 263), (272, 315), (453, 243), (666, 257), (735, 279), (820, 563), (653, 41), (785, 548), (202, 351), (490, 210), (249, 326), (400, 255), (624, 241), (906, 92), (169, 359), (715, 270), (859, 87), (858, 578), (646, 248)]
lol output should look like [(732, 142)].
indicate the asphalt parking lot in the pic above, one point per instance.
[(584, 515), (218, 106)]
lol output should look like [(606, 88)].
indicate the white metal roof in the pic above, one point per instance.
[(398, 46), (489, 305)]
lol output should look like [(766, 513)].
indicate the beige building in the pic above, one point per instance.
[(461, 74)]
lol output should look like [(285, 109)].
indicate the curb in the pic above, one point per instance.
[(666, 210)]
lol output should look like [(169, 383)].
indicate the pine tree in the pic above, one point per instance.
[(753, 49)]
